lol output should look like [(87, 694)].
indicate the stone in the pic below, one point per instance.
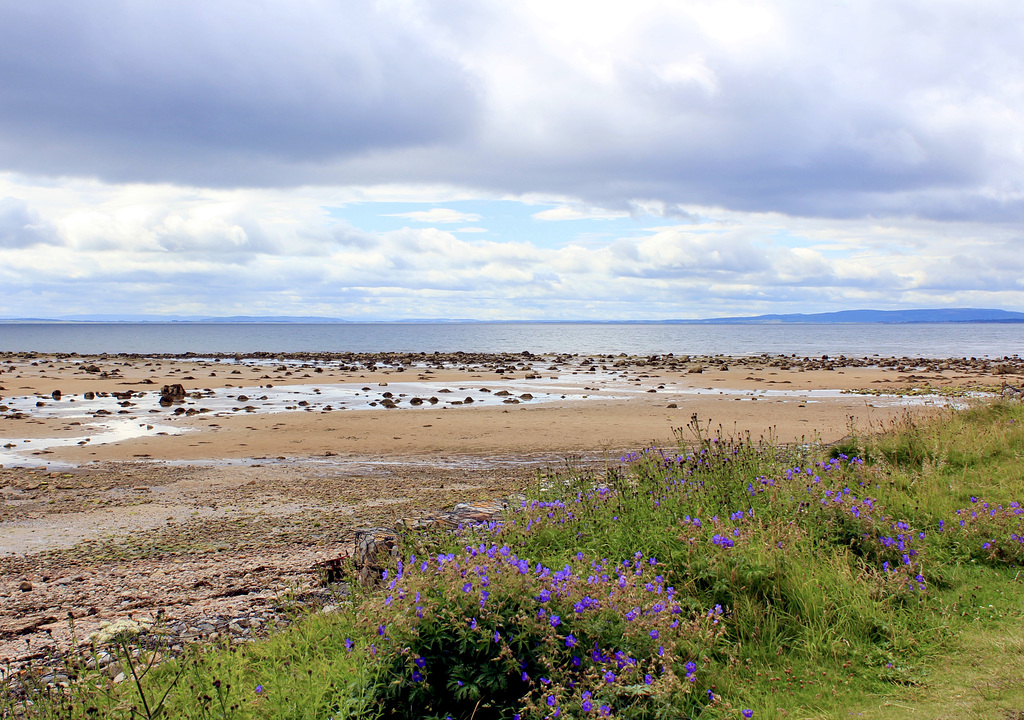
[(172, 394), (101, 660), (25, 586)]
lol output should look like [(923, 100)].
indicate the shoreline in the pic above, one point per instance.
[(67, 411)]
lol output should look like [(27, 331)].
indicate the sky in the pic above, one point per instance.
[(532, 160)]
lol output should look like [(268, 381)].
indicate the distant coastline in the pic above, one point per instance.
[(861, 317), (910, 339)]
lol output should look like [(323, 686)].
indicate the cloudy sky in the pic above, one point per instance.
[(535, 159)]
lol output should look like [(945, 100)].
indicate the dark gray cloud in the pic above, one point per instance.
[(882, 107), (208, 93)]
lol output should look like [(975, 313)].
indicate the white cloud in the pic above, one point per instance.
[(282, 252), (21, 226), (578, 211)]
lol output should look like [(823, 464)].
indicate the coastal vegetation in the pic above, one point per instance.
[(724, 577)]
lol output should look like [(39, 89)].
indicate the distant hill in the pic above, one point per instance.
[(940, 315), (944, 315), (186, 319)]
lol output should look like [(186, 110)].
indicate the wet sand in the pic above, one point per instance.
[(272, 462), (294, 409)]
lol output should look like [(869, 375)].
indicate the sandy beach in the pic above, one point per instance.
[(208, 503)]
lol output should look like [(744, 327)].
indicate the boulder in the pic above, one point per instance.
[(171, 394)]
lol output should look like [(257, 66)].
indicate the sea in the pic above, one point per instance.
[(926, 340)]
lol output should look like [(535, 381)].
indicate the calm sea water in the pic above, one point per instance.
[(928, 340)]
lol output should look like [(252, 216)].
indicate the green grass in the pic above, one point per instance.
[(790, 582)]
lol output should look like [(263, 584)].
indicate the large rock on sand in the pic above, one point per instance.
[(170, 394)]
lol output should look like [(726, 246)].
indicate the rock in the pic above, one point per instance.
[(90, 395), (371, 547), (56, 394), (696, 369), (54, 678), (101, 660), (25, 586), (172, 393)]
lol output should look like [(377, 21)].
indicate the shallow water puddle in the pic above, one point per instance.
[(21, 453), (290, 398)]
